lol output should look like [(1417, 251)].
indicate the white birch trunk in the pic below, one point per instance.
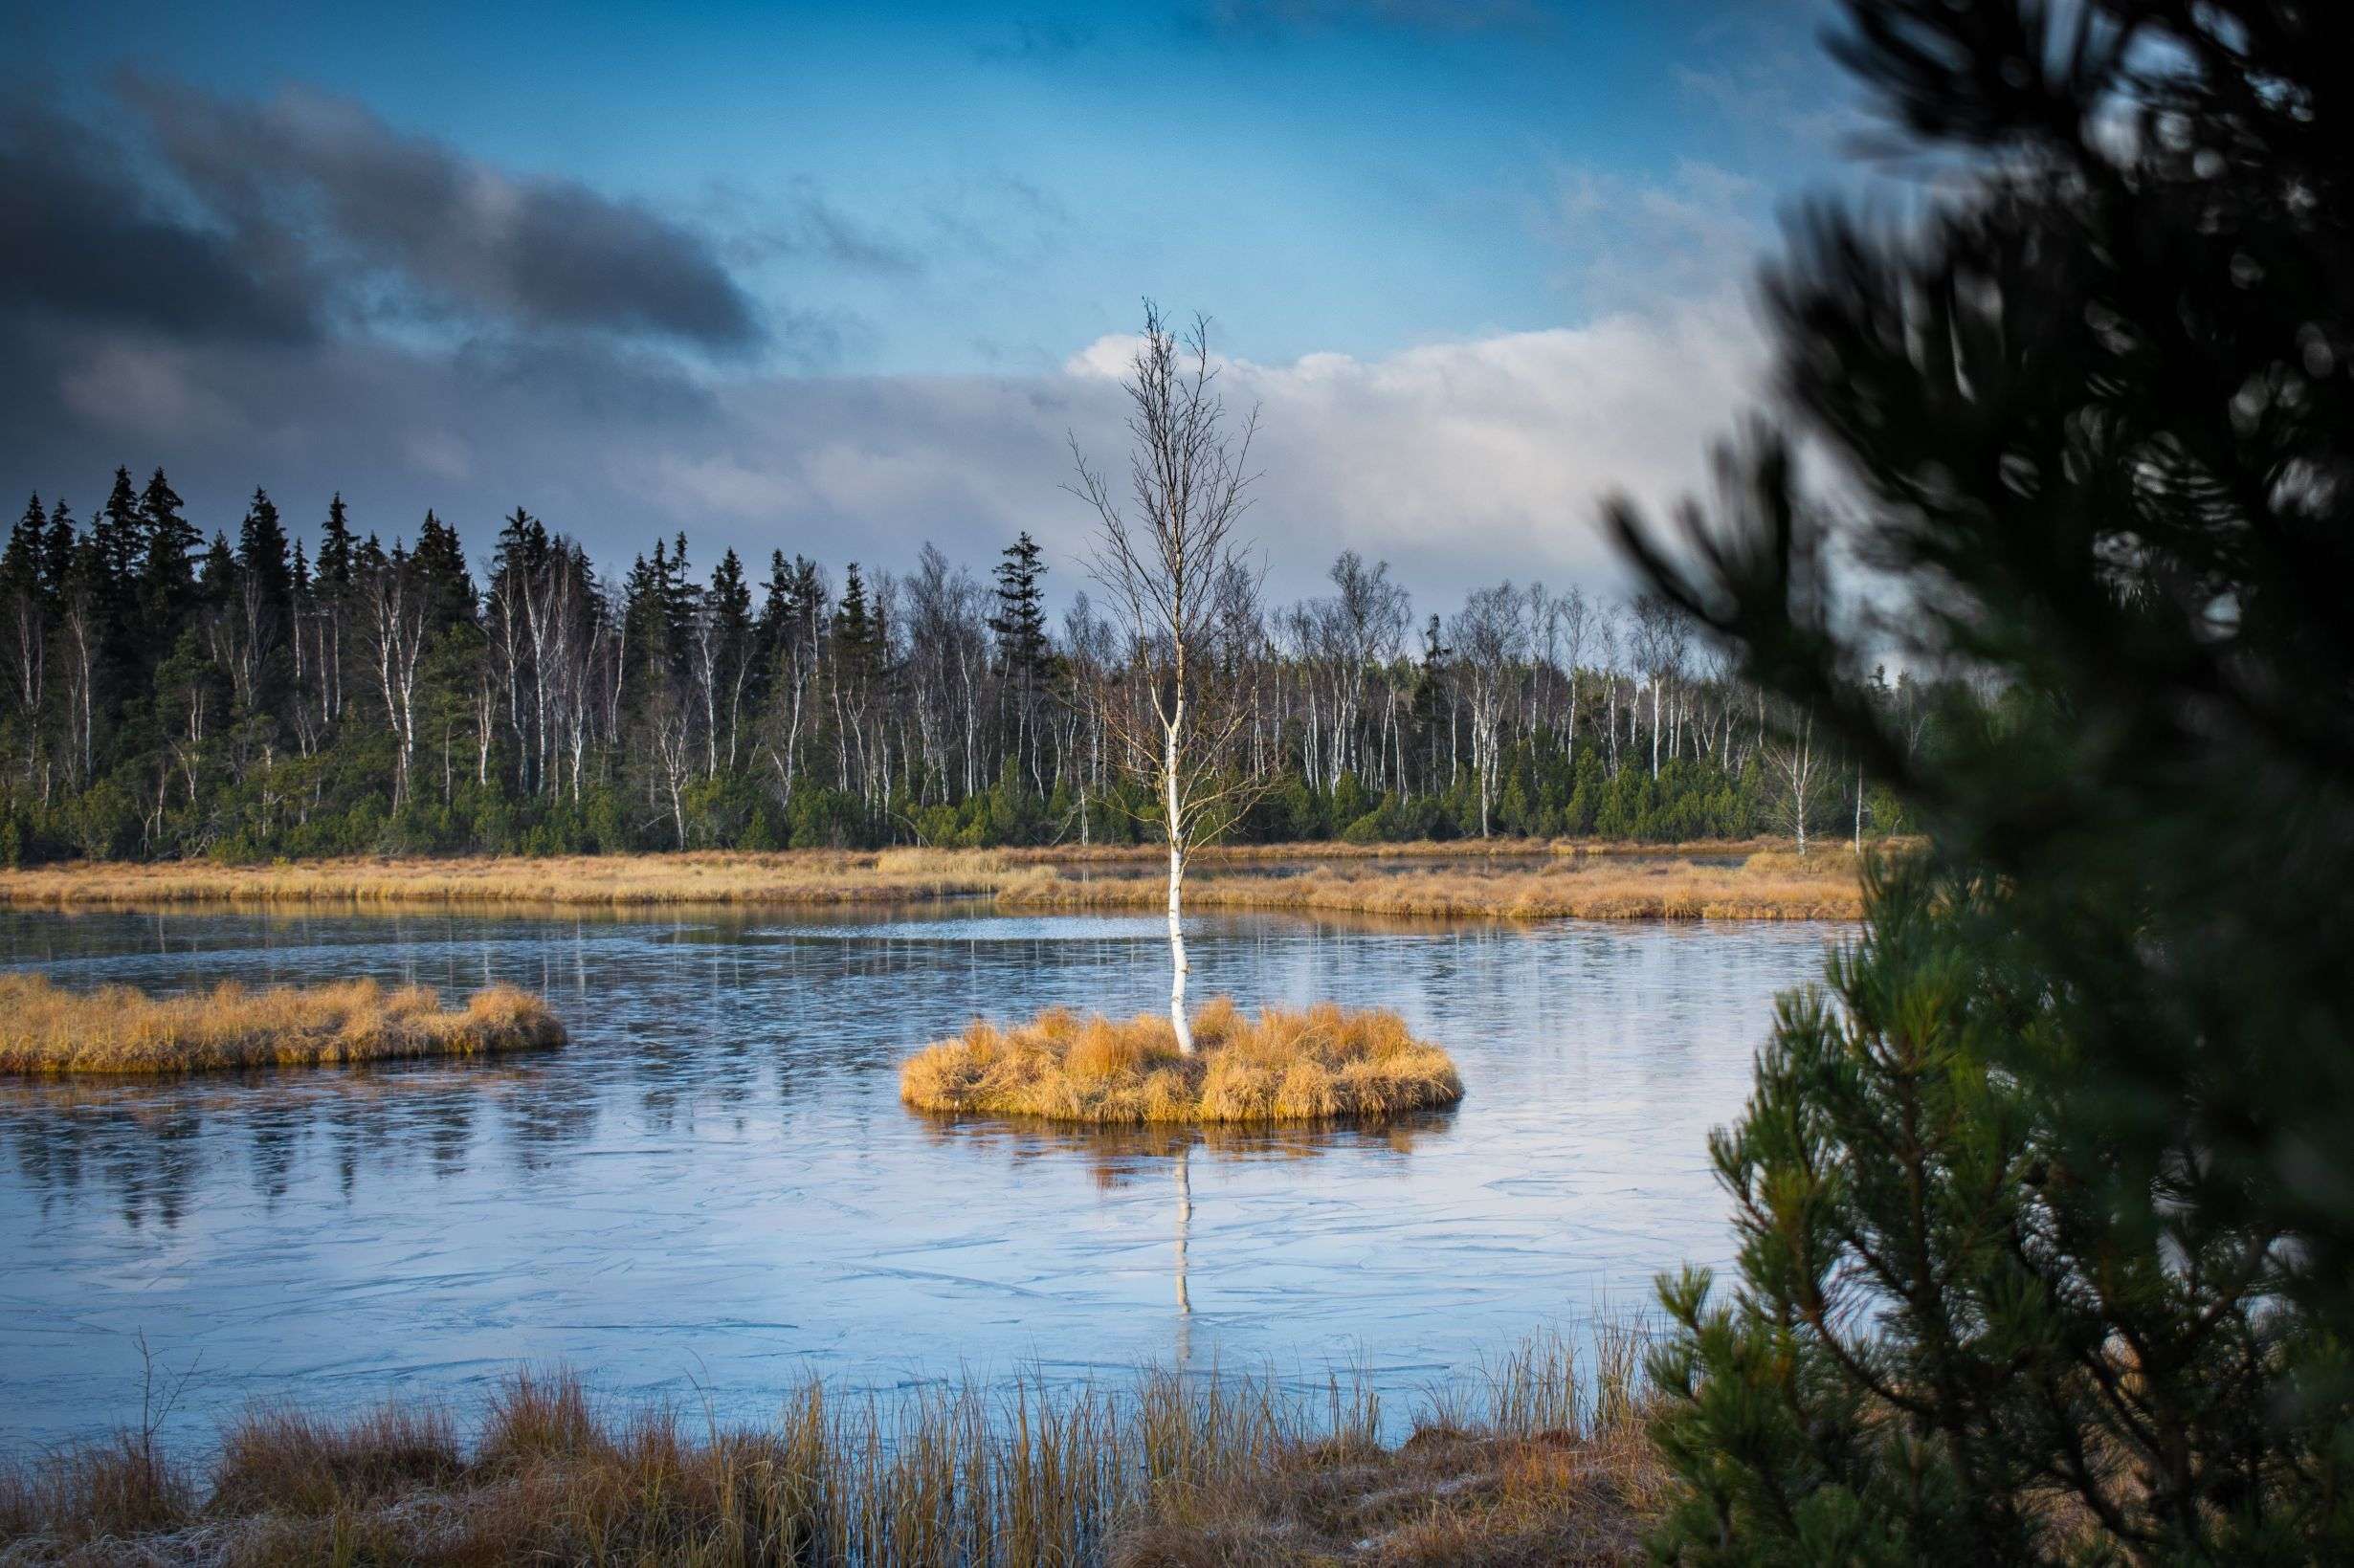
[(1176, 888)]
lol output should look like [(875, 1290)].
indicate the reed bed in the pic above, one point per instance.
[(1540, 1458), (1765, 886), (1322, 1064), (1501, 879), (799, 877), (47, 1030)]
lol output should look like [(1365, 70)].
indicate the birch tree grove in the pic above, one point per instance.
[(1177, 575), (333, 691)]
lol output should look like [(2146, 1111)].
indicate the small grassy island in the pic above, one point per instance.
[(47, 1030), (1324, 1064)]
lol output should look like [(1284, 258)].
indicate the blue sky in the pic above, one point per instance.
[(925, 212)]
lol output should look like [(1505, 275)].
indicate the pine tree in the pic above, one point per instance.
[(520, 550), (168, 562), (439, 562), (216, 576), (261, 553), (2048, 1228), (335, 558), (854, 640), (21, 569), (726, 630), (57, 546), (1023, 646), (1019, 624), (119, 533), (263, 586)]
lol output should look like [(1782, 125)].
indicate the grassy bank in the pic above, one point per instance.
[(1514, 879), (48, 1031), (1767, 885), (1322, 1064), (1537, 1459)]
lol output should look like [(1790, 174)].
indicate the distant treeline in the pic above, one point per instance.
[(278, 697)]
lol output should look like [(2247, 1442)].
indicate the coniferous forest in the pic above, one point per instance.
[(281, 691)]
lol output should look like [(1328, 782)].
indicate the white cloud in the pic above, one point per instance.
[(1460, 462)]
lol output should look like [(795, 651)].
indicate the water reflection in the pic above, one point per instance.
[(1119, 1155), (716, 1181)]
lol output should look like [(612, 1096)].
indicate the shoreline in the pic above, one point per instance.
[(1541, 1453), (1492, 880)]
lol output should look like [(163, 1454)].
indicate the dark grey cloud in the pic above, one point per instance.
[(403, 223), (83, 236)]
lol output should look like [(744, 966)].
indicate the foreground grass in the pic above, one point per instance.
[(1530, 1461), (1319, 1065), (1500, 880), (48, 1031)]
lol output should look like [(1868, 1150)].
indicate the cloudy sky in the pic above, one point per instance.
[(842, 279)]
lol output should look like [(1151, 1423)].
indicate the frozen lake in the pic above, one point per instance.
[(714, 1187)]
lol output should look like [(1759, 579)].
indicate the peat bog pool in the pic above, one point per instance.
[(714, 1189)]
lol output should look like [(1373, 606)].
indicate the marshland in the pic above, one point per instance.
[(1505, 879)]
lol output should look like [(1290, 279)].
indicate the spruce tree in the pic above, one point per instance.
[(335, 553), (261, 553), (854, 632), (21, 569), (439, 562), (771, 630), (1019, 624), (1023, 646), (168, 562), (119, 533), (57, 545), (2047, 1224)]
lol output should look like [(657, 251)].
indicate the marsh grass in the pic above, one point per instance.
[(1534, 1459), (1502, 879), (46, 1029), (1321, 1064), (1767, 885)]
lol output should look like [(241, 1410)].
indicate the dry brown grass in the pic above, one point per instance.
[(1323, 1064), (1529, 1461), (1767, 885), (815, 876), (1506, 879), (48, 1031)]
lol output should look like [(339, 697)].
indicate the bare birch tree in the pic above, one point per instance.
[(1794, 765), (1170, 561)]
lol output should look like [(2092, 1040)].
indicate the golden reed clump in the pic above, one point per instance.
[(46, 1029), (1322, 1064)]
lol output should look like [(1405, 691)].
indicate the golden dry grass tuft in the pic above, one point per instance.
[(1321, 1064), (46, 1029), (1531, 1460)]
